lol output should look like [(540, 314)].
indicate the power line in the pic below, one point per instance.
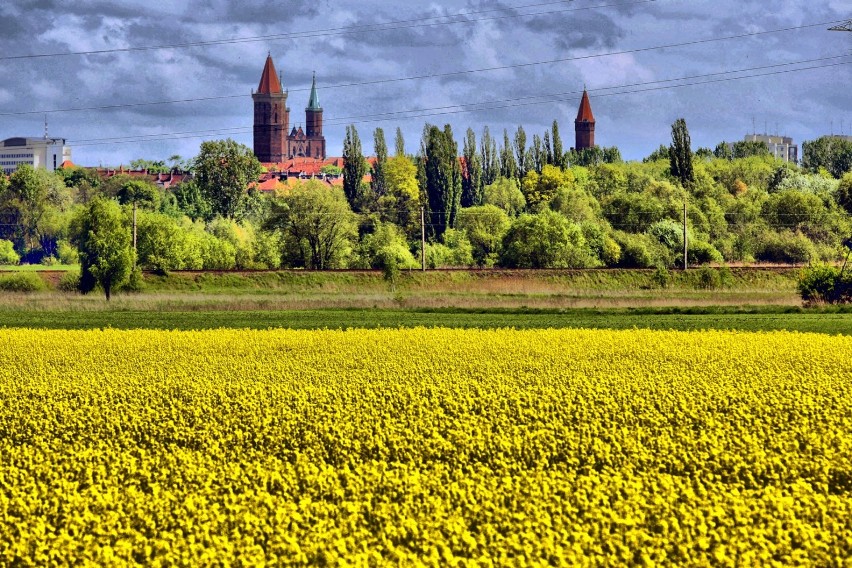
[(431, 75), (495, 105), (387, 26)]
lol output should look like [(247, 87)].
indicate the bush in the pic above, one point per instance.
[(641, 251), (701, 252), (8, 256), (545, 240), (714, 278), (69, 282), (824, 283), (22, 282), (785, 247), (67, 253), (661, 277)]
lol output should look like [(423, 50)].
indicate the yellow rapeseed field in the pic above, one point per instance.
[(427, 446)]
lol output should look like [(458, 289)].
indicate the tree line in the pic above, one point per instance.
[(521, 201)]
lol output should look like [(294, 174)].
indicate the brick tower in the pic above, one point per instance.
[(313, 123), (271, 117), (584, 125)]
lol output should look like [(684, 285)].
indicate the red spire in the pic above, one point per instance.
[(585, 112), (269, 83)]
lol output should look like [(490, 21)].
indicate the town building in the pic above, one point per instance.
[(584, 125), (48, 153), (274, 141), (781, 147)]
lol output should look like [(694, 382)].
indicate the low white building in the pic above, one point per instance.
[(48, 153)]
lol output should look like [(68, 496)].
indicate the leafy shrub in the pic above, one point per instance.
[(67, 253), (641, 251), (21, 282), (784, 247), (69, 282), (823, 283), (661, 277), (8, 256), (701, 252), (708, 278), (545, 240)]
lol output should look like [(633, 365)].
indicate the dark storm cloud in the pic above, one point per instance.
[(803, 104)]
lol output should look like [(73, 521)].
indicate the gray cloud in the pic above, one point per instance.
[(803, 104)]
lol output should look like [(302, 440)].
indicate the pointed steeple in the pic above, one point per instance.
[(269, 81), (313, 103), (584, 114)]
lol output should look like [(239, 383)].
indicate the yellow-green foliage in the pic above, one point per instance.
[(398, 447)]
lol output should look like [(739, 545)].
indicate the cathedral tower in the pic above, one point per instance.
[(584, 125), (271, 117), (313, 123)]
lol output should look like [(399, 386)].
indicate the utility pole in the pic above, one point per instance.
[(423, 238), (685, 243)]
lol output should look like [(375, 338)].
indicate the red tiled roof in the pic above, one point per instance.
[(585, 112), (269, 83), (67, 165)]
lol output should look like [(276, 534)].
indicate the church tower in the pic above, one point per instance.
[(271, 117), (313, 122), (584, 125)]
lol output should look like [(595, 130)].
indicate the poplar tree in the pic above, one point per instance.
[(472, 178), (558, 151), (378, 182), (400, 143), (443, 178), (548, 150), (490, 162), (521, 152), (680, 153), (508, 164), (354, 167)]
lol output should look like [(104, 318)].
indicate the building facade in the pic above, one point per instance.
[(274, 141), (48, 153), (781, 147), (584, 125)]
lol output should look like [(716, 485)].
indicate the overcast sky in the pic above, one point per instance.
[(343, 44)]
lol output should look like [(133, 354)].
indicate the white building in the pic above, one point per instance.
[(779, 146), (48, 153)]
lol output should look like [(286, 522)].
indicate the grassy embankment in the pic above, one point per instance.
[(747, 299)]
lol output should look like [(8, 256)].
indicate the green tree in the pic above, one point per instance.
[(545, 240), (489, 158), (223, 171), (539, 190), (35, 195), (443, 179), (558, 151), (192, 202), (521, 152), (485, 226), (508, 164), (472, 174), (747, 148), (103, 241), (399, 143), (505, 194), (680, 153), (317, 224), (138, 192), (401, 204), (354, 167), (151, 166), (829, 152), (378, 182), (844, 193)]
